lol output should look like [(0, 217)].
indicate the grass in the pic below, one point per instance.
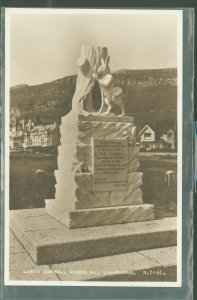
[(24, 192)]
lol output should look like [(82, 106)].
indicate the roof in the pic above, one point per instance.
[(144, 128), (41, 128), (159, 129)]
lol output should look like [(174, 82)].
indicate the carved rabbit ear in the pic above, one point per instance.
[(102, 61), (107, 60)]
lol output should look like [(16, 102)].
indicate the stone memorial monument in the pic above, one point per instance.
[(97, 183), (97, 178)]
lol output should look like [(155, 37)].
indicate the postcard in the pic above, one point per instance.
[(93, 127)]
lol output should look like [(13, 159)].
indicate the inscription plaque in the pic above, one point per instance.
[(110, 164)]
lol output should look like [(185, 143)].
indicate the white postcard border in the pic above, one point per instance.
[(8, 14)]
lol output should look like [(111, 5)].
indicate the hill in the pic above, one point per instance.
[(150, 95)]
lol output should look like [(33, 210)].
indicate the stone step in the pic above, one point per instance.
[(100, 216), (49, 241), (148, 265), (110, 215)]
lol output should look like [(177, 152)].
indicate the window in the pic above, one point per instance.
[(147, 135)]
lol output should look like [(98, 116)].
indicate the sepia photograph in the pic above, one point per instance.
[(93, 179)]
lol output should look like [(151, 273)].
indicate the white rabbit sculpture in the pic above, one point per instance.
[(111, 95)]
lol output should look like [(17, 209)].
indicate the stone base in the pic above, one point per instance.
[(80, 218), (79, 179), (148, 265), (101, 118), (48, 241)]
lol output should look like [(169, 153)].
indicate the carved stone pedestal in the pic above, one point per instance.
[(97, 178)]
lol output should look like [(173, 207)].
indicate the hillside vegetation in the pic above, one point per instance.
[(150, 95)]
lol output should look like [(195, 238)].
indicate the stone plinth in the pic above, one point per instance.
[(48, 241), (97, 178), (134, 266)]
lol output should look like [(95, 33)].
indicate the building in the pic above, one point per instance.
[(169, 137), (16, 135), (25, 134), (153, 140), (42, 136)]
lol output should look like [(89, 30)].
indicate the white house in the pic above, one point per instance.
[(147, 135), (149, 140), (42, 136)]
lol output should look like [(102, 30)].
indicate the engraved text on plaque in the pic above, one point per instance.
[(110, 163)]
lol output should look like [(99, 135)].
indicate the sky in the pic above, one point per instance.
[(45, 45)]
